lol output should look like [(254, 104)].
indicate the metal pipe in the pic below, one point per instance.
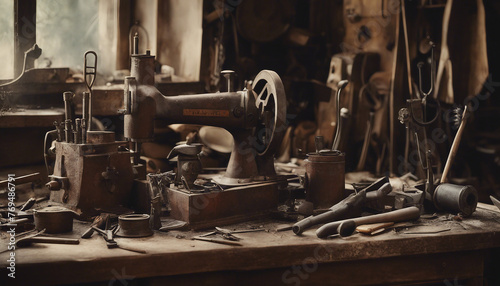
[(136, 44), (78, 131), (137, 153), (68, 131), (89, 119), (410, 213), (67, 96), (59, 131), (85, 116)]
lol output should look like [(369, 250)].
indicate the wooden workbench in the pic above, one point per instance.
[(462, 252)]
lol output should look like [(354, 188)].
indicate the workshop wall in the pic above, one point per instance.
[(377, 45)]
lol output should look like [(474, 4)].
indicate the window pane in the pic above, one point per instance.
[(65, 30), (6, 39)]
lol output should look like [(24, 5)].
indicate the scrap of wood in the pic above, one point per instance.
[(428, 230), (374, 227), (488, 207)]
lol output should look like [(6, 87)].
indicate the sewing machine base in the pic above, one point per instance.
[(205, 210)]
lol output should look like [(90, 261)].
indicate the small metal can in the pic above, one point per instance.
[(54, 219), (325, 178), (134, 225)]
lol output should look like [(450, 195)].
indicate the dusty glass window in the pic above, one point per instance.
[(6, 39), (65, 30)]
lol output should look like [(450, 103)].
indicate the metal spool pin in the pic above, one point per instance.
[(89, 75)]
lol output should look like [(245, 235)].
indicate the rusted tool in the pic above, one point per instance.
[(188, 163), (349, 207), (347, 227), (33, 236), (111, 243), (30, 178), (220, 241), (68, 111), (99, 221), (7, 223), (68, 131), (227, 234), (223, 230), (85, 115), (28, 204), (46, 239)]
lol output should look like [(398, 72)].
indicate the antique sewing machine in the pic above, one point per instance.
[(255, 116)]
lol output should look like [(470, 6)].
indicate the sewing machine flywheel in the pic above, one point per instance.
[(270, 100)]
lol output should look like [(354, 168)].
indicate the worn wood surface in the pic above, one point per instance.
[(404, 256), (30, 118)]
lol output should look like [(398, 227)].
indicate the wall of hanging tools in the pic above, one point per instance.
[(412, 66)]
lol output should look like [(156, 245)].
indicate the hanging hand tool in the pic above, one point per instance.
[(340, 87)]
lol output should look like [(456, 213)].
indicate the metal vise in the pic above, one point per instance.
[(255, 116)]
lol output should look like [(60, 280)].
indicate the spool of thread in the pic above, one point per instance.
[(456, 198)]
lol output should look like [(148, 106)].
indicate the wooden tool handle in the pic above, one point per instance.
[(53, 240), (454, 147)]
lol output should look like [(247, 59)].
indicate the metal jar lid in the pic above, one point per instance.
[(326, 156)]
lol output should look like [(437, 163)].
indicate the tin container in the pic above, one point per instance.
[(134, 225), (54, 219), (324, 179)]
